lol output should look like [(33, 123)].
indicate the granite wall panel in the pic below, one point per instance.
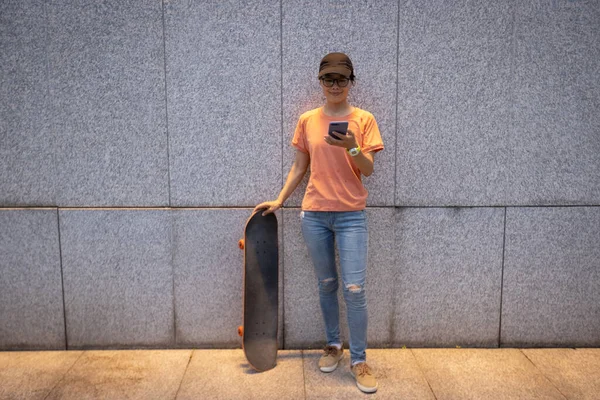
[(551, 289), (224, 101), (454, 75), (31, 302), (448, 277), (107, 101), (554, 138), (26, 140), (118, 278)]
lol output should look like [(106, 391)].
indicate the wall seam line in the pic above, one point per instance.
[(282, 173), (502, 280), (395, 208), (395, 250), (169, 209), (48, 104), (510, 129), (172, 246), (62, 279), (511, 93), (397, 105), (164, 40)]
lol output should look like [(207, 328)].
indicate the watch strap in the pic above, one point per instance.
[(354, 151)]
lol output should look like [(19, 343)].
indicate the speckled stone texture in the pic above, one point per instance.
[(397, 372), (447, 277), (304, 327), (208, 268), (368, 34), (226, 374), (118, 278), (454, 72), (193, 104), (473, 374), (551, 294), (26, 140), (224, 102), (423, 374), (107, 101), (32, 375), (31, 306), (575, 372), (555, 135), (127, 374)]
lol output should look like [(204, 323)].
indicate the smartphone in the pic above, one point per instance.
[(338, 126)]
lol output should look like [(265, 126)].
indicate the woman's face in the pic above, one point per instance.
[(335, 93)]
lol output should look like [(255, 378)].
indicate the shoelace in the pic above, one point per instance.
[(330, 350), (363, 369)]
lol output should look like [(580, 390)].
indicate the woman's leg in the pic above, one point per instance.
[(352, 236), (319, 240)]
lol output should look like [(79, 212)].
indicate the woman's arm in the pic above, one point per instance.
[(293, 179), (364, 162), (295, 175)]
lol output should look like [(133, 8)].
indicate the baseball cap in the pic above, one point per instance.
[(336, 63)]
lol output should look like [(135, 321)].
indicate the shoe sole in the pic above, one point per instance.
[(364, 388), (333, 367)]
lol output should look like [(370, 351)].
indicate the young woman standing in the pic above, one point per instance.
[(333, 208)]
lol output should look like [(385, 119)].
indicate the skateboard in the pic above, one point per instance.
[(261, 291)]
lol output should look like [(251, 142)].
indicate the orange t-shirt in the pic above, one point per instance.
[(335, 181)]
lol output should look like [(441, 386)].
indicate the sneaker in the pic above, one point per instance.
[(365, 380), (330, 359)]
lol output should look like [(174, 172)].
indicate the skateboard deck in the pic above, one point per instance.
[(261, 291)]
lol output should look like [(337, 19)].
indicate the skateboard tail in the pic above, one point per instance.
[(264, 362)]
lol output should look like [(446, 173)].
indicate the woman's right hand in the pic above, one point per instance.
[(269, 206)]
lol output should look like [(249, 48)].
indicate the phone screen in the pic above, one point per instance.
[(338, 126)]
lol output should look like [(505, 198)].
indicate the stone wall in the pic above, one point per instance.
[(137, 136)]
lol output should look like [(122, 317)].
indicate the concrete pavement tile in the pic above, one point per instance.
[(483, 374), (31, 375), (397, 373), (130, 374), (226, 374), (575, 372)]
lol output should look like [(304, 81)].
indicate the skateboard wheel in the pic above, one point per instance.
[(241, 244), (241, 330)]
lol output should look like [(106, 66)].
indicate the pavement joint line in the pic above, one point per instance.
[(423, 373), (184, 373), (502, 278), (303, 372), (542, 374), (62, 280), (64, 375)]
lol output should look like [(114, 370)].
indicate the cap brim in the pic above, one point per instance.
[(335, 70)]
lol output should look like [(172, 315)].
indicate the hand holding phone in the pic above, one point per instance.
[(338, 126)]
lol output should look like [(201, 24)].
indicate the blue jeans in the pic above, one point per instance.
[(349, 228)]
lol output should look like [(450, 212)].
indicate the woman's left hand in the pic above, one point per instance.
[(347, 141)]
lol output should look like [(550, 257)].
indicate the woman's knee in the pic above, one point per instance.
[(328, 285), (355, 295)]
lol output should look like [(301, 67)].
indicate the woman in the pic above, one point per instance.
[(333, 208)]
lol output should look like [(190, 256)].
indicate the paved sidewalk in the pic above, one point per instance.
[(482, 374)]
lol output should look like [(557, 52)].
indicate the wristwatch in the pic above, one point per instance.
[(355, 151)]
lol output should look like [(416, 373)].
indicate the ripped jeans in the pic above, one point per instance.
[(351, 237)]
